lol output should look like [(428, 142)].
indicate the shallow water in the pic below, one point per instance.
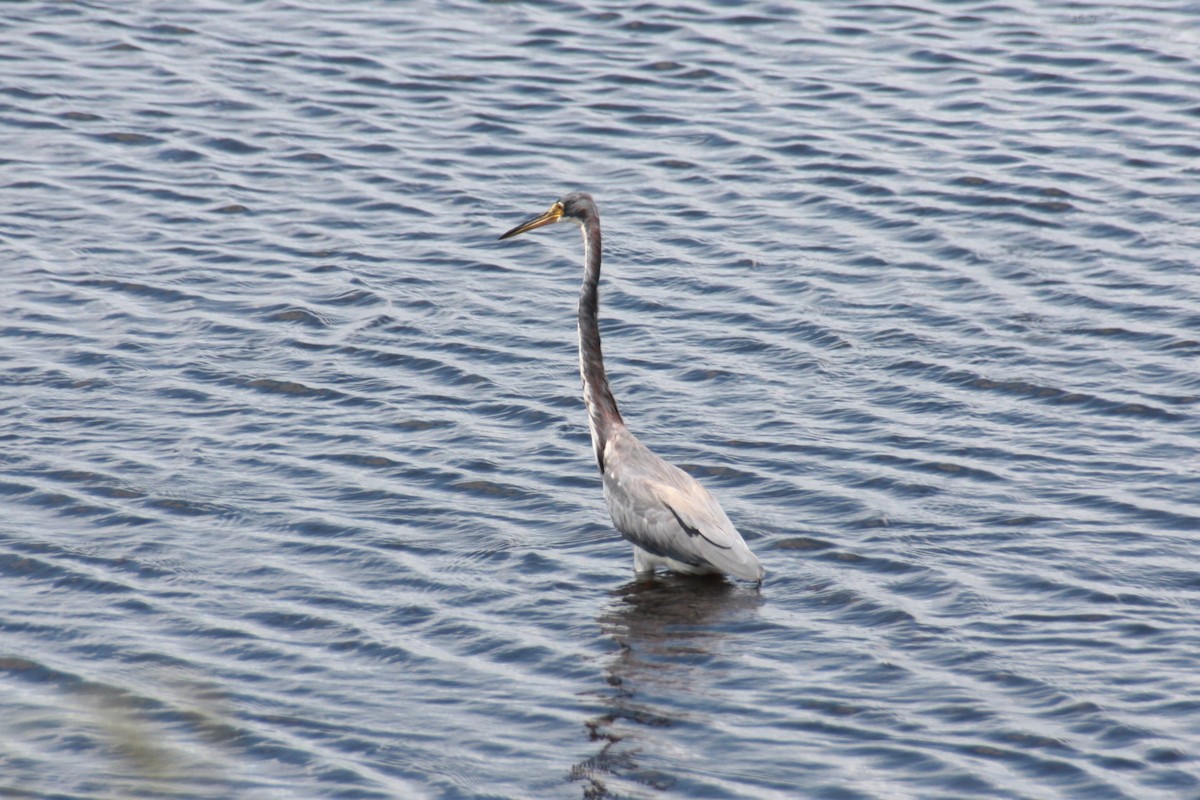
[(297, 492)]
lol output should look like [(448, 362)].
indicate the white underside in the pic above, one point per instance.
[(644, 562)]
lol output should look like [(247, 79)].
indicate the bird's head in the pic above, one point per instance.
[(577, 206)]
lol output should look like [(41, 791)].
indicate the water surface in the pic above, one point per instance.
[(298, 499)]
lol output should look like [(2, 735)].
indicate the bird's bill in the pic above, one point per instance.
[(549, 218)]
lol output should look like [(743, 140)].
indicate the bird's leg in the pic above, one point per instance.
[(643, 567)]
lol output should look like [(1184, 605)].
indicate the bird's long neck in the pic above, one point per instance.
[(601, 406)]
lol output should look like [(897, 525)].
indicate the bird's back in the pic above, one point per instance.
[(666, 512)]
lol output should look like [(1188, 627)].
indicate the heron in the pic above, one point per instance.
[(669, 518)]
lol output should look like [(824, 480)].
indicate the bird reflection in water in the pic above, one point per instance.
[(668, 631)]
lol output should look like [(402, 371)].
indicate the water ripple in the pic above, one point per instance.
[(297, 491)]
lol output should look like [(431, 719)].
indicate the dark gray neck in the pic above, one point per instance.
[(601, 406)]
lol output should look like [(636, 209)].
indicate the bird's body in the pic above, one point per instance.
[(671, 520)]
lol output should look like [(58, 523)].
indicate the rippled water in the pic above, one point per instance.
[(297, 492)]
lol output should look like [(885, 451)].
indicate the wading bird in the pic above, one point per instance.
[(669, 517)]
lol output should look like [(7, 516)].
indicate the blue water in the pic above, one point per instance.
[(297, 492)]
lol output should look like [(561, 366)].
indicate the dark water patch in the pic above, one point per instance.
[(874, 564), (802, 543), (127, 138), (303, 316), (233, 146), (293, 388)]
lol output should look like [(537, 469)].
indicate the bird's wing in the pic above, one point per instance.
[(666, 512), (708, 530), (676, 517)]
